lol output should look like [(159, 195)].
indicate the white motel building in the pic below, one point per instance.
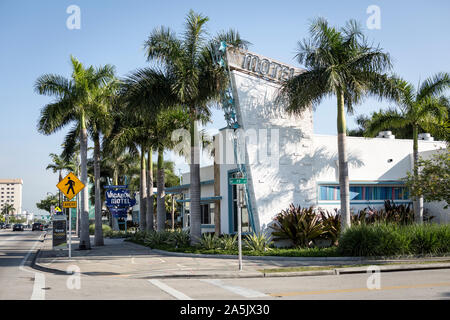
[(285, 162)]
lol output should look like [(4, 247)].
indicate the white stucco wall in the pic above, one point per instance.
[(284, 176), (370, 159)]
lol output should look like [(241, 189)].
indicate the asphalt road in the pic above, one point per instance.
[(16, 251), (19, 281)]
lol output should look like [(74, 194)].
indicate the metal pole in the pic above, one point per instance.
[(70, 233), (240, 225)]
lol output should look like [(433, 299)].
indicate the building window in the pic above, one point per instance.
[(364, 193), (207, 213)]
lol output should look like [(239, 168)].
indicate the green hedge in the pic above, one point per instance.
[(106, 229), (392, 240)]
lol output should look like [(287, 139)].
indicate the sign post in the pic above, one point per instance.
[(239, 182), (70, 186)]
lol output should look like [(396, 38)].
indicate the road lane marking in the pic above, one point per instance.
[(6, 240), (39, 278), (302, 293), (247, 293), (25, 259), (174, 293), (38, 288)]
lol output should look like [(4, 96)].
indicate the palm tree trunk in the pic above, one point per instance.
[(194, 190), (417, 201), (85, 243), (59, 193), (343, 164), (173, 212), (161, 194), (217, 203), (142, 193), (149, 208), (98, 237)]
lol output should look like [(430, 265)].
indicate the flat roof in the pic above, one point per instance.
[(11, 181)]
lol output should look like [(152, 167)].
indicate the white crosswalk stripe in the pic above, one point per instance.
[(174, 293), (247, 293)]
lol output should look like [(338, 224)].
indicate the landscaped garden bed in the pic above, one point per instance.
[(388, 232)]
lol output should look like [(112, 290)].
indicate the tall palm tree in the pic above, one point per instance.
[(424, 108), (73, 103), (129, 135), (167, 122), (143, 93), (197, 82), (338, 62), (99, 122)]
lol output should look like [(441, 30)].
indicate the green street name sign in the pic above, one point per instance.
[(238, 180)]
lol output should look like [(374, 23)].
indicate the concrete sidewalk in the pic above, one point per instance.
[(119, 258)]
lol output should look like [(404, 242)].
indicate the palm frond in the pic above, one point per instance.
[(384, 120), (434, 86)]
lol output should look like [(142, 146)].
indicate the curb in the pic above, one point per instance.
[(37, 266), (38, 252), (262, 258)]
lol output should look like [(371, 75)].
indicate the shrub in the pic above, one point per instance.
[(394, 239), (257, 242), (209, 241), (118, 234), (331, 225), (179, 238), (106, 229), (430, 239), (228, 242), (155, 238), (300, 225), (138, 236)]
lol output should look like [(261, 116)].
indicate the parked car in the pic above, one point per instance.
[(8, 226), (18, 227), (37, 226), (2, 225)]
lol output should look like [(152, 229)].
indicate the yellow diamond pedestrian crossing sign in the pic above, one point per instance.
[(70, 186)]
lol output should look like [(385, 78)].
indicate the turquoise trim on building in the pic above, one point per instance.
[(359, 202), (362, 182), (186, 186), (206, 199)]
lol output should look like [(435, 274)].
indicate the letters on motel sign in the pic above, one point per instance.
[(260, 65), (119, 198)]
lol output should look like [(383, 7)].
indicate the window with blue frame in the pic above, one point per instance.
[(364, 192)]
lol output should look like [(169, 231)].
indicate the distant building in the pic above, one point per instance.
[(11, 193)]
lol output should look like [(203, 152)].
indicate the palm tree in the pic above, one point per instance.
[(338, 63), (129, 135), (73, 103), (99, 122), (167, 122), (6, 209), (197, 82), (142, 94), (423, 109), (58, 165)]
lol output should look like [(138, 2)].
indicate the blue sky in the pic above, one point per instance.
[(35, 40)]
